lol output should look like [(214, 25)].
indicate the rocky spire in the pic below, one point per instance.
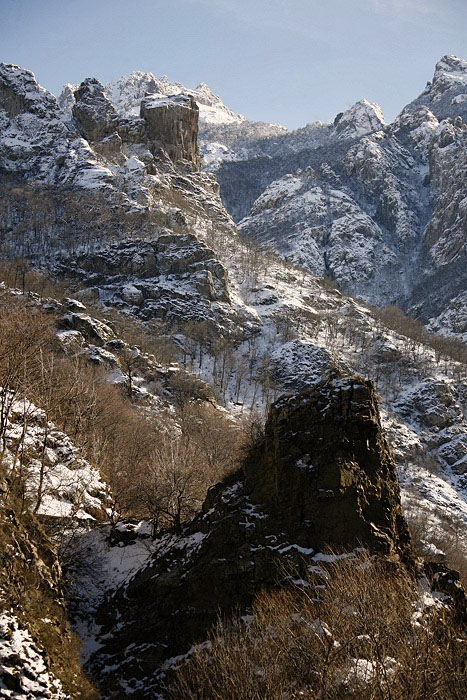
[(325, 470)]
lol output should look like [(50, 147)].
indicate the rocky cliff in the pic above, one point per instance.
[(324, 465), (323, 476)]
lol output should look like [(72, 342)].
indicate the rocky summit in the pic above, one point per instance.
[(321, 479)]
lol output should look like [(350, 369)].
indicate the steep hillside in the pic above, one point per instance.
[(39, 656)]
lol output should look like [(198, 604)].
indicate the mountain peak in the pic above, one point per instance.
[(362, 118), (451, 63), (127, 92)]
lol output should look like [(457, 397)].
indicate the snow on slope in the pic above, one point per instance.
[(24, 671), (71, 486), (362, 118)]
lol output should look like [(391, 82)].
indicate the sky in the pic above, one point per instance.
[(282, 61)]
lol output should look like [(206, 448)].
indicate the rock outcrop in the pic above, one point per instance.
[(93, 111), (322, 476), (324, 468), (172, 125), (166, 124)]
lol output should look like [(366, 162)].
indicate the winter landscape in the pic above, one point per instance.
[(233, 395)]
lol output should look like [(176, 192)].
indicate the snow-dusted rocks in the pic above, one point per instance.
[(444, 238), (313, 223), (38, 656), (60, 483), (93, 111), (36, 142), (127, 93), (446, 94), (362, 118), (172, 276), (23, 666), (33, 138)]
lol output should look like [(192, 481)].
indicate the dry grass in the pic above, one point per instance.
[(359, 638)]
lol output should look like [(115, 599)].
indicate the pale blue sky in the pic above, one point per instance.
[(286, 61)]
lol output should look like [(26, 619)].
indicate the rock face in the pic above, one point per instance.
[(445, 94), (325, 468), (322, 476), (172, 123)]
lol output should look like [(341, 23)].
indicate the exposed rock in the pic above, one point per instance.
[(91, 328), (172, 125), (343, 492), (132, 294), (93, 111), (385, 219), (325, 468), (446, 93), (174, 276), (446, 581)]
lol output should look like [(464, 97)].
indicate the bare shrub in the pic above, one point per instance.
[(361, 636)]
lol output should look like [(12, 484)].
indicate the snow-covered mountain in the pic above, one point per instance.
[(377, 207), (103, 191), (361, 119)]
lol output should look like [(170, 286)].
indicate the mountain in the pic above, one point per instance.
[(118, 208), (158, 331), (126, 94), (377, 207)]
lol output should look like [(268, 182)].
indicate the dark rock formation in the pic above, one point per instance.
[(323, 475), (93, 111), (324, 467)]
